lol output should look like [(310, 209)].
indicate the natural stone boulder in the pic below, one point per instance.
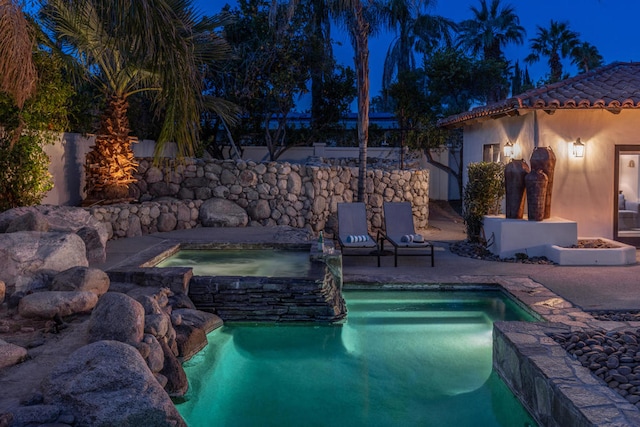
[(181, 301), (11, 354), (157, 324), (24, 253), (177, 384), (261, 210), (222, 213), (81, 279), (153, 299), (155, 359), (30, 221), (38, 415), (200, 319), (117, 317), (190, 340), (108, 383), (69, 220), (48, 304)]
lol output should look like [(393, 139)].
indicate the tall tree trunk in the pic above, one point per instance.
[(110, 164), (362, 64)]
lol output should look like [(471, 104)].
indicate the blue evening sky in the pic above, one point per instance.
[(611, 25)]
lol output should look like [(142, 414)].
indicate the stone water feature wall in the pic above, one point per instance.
[(273, 193), (315, 298)]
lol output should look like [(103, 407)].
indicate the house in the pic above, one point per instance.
[(592, 124)]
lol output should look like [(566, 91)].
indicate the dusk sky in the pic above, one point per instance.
[(611, 25)]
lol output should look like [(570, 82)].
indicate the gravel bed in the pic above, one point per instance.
[(617, 316), (612, 356), (479, 251)]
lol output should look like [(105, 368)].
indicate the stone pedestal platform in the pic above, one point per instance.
[(511, 236)]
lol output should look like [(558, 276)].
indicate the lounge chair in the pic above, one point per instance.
[(400, 232), (353, 232)]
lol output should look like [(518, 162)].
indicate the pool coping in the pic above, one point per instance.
[(552, 385)]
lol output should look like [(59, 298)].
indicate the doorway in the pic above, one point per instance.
[(626, 218)]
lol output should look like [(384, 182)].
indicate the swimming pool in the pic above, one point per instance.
[(401, 358)]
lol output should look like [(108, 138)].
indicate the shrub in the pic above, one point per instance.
[(24, 174), (482, 196)]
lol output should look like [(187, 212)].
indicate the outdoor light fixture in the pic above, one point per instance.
[(632, 164), (508, 149), (578, 148)]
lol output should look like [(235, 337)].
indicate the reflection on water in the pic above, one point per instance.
[(401, 359), (241, 262)]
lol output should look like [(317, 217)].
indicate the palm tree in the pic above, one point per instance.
[(586, 57), (18, 74), (359, 16), (125, 47), (414, 30), (556, 42), (492, 28)]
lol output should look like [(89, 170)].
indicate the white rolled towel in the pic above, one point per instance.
[(408, 238), (357, 238)]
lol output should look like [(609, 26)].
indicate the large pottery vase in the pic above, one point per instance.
[(544, 158), (514, 174), (536, 183)]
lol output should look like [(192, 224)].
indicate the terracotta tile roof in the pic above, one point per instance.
[(613, 87)]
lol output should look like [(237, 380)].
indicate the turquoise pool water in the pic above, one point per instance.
[(241, 262), (402, 358)]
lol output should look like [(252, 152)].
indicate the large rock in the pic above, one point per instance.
[(155, 359), (117, 317), (3, 290), (222, 213), (48, 304), (108, 383), (190, 340), (24, 253), (200, 319), (81, 279), (11, 354), (177, 383), (31, 221), (61, 219)]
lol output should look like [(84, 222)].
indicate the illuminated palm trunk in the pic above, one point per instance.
[(110, 164)]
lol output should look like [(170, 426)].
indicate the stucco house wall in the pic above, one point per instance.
[(583, 188), (602, 108)]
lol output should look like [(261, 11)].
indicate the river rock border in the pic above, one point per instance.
[(172, 194)]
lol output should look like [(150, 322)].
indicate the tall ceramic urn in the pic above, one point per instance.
[(537, 183), (544, 159), (514, 174)]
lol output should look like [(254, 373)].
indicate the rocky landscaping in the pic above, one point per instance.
[(76, 348), (612, 356)]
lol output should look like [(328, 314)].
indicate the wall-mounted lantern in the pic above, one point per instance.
[(578, 148), (508, 149)]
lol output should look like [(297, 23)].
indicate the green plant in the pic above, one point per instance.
[(482, 196), (24, 176)]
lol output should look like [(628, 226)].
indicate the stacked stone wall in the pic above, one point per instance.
[(273, 193)]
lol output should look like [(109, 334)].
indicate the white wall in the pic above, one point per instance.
[(583, 188)]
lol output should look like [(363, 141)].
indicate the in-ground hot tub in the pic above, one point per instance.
[(262, 282)]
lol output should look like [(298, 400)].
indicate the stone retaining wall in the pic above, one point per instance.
[(303, 196)]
